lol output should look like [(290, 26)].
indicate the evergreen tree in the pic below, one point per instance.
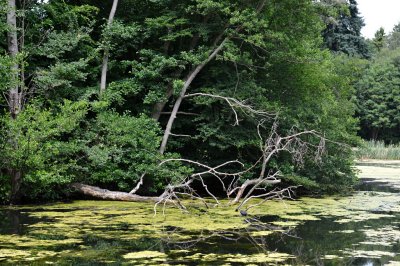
[(393, 39), (379, 39), (344, 33)]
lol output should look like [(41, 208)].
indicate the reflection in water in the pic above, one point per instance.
[(359, 230), (12, 221)]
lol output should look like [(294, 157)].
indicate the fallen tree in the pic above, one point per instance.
[(105, 194), (239, 193)]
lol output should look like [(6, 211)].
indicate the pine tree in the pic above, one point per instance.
[(380, 39), (344, 33)]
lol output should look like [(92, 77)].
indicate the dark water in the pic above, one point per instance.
[(97, 234)]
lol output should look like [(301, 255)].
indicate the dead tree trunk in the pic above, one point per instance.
[(105, 194), (104, 67), (14, 95)]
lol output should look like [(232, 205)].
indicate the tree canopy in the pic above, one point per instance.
[(185, 79)]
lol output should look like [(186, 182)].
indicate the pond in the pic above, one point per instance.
[(361, 229)]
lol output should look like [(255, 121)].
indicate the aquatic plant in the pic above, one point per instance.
[(378, 150)]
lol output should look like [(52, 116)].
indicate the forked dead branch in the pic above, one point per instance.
[(239, 190), (235, 184)]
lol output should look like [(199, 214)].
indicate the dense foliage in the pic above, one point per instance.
[(270, 58), (378, 91)]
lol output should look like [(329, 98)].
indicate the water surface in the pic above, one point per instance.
[(361, 229)]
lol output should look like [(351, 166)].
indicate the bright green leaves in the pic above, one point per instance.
[(61, 44), (118, 91), (170, 27), (119, 148), (62, 74), (118, 36), (34, 141), (62, 15), (6, 75), (31, 134)]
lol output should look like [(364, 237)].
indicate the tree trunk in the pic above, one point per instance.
[(251, 182), (14, 96), (105, 194), (186, 85), (193, 75), (104, 67), (159, 107), (374, 134), (16, 180)]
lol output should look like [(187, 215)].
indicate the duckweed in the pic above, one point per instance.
[(364, 225)]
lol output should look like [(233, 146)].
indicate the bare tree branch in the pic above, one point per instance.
[(235, 104)]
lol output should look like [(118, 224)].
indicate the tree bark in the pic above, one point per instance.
[(14, 95), (186, 85), (16, 180), (104, 67), (159, 107), (252, 182), (105, 194)]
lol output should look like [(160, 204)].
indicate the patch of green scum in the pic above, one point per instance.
[(144, 255), (261, 233), (331, 257), (342, 232), (386, 236), (286, 223), (261, 258), (359, 207), (300, 217), (25, 241), (373, 254), (380, 173), (271, 257), (277, 207), (215, 219), (360, 217), (12, 253), (140, 214)]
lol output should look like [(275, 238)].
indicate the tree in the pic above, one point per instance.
[(343, 33), (393, 39), (188, 81), (379, 39), (14, 93), (378, 97)]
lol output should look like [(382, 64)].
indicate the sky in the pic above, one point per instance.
[(379, 13)]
